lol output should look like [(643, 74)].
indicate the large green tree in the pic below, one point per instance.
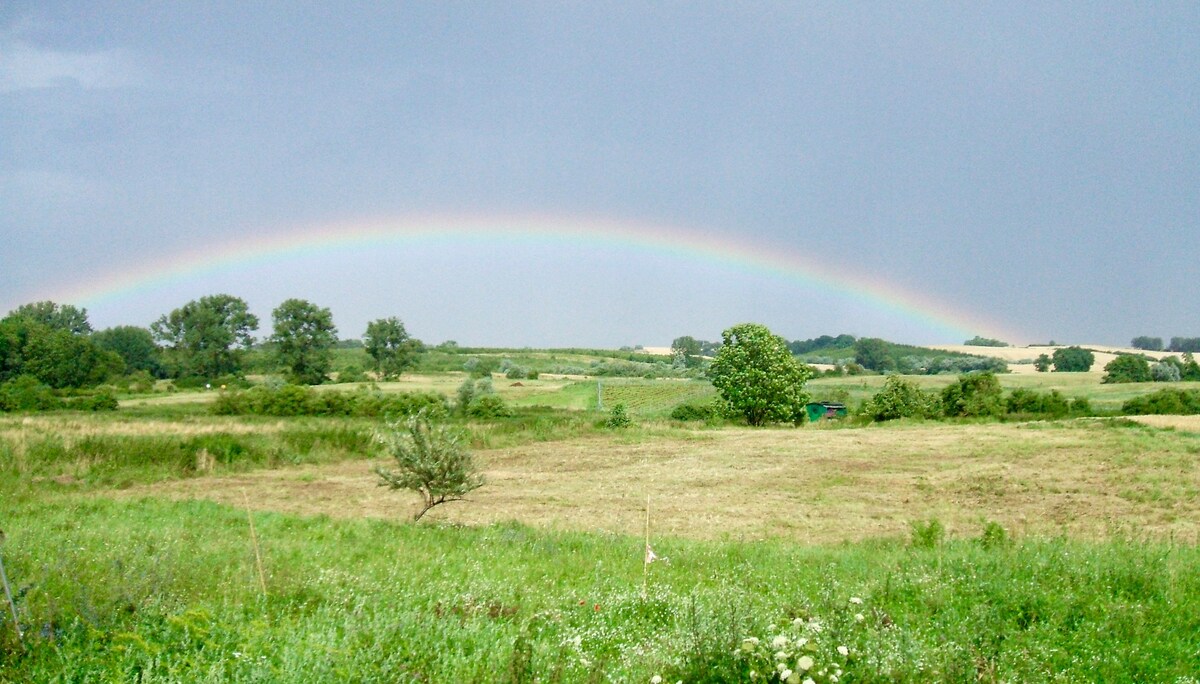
[(687, 350), (207, 336), (874, 354), (974, 395), (135, 346), (758, 377), (304, 339), (390, 345), (53, 354)]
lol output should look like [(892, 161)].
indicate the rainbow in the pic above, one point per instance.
[(720, 250)]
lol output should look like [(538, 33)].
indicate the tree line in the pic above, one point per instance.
[(55, 346), (1177, 344)]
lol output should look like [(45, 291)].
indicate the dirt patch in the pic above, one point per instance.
[(813, 486), (1187, 423)]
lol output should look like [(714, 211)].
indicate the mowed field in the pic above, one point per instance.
[(1087, 479)]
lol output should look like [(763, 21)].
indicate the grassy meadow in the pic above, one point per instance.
[(899, 552)]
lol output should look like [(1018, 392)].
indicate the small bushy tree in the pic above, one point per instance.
[(974, 395), (431, 460), (901, 398), (390, 345), (758, 377), (1166, 372), (1073, 360), (1042, 363), (1127, 368)]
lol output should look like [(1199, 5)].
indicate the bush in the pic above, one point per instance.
[(1073, 360), (430, 460), (618, 418), (974, 395), (928, 534), (488, 406), (710, 410), (900, 398), (1166, 372), (1127, 368), (1053, 404), (295, 400), (1164, 402), (27, 393)]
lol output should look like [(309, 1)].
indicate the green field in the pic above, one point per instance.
[(1045, 551)]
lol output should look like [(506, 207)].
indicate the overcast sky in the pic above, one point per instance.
[(1032, 165)]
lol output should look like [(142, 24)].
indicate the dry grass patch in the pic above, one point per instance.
[(812, 485)]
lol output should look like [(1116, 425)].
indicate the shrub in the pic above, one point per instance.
[(900, 398), (927, 534), (1054, 403), (994, 536), (1164, 402), (430, 460), (1127, 368), (974, 395), (488, 406), (27, 393), (709, 410), (1073, 360), (618, 418), (1166, 372)]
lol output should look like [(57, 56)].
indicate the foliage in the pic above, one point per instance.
[(135, 346), (1147, 343), (488, 405), (1189, 368), (430, 460), (927, 534), (978, 341), (304, 339), (391, 347), (298, 400), (1073, 360), (1184, 344), (1127, 368), (207, 337), (1043, 363), (973, 395), (758, 377), (706, 411), (64, 317), (618, 418), (1024, 401), (27, 393), (686, 350), (901, 398), (1164, 402), (842, 341), (874, 354), (53, 355)]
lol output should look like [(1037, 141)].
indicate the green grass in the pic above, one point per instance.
[(157, 591)]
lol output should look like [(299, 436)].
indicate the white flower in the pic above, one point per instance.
[(781, 655), (814, 625), (801, 641), (808, 680), (784, 674), (781, 667), (779, 641), (833, 678), (656, 680), (856, 600), (843, 651), (798, 622), (859, 617), (804, 663)]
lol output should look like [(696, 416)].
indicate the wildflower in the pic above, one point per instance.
[(784, 674), (781, 655), (801, 642), (859, 617), (753, 674), (781, 668), (596, 607), (856, 600), (808, 680), (843, 651), (656, 680), (749, 643), (798, 622), (834, 679), (804, 663), (779, 641), (814, 625)]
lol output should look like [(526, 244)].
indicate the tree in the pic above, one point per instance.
[(1147, 343), (874, 354), (202, 335), (134, 345), (430, 460), (758, 377), (901, 398), (1165, 371), (391, 346), (54, 356), (56, 316), (974, 395), (1073, 360), (686, 349), (304, 339), (978, 341), (1127, 368), (1042, 363), (1184, 344)]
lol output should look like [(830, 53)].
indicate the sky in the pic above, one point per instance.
[(610, 173)]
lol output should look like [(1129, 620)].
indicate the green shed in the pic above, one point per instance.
[(825, 409)]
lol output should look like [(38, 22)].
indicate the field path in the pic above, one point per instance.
[(810, 485)]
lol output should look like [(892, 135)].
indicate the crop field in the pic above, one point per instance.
[(907, 551)]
